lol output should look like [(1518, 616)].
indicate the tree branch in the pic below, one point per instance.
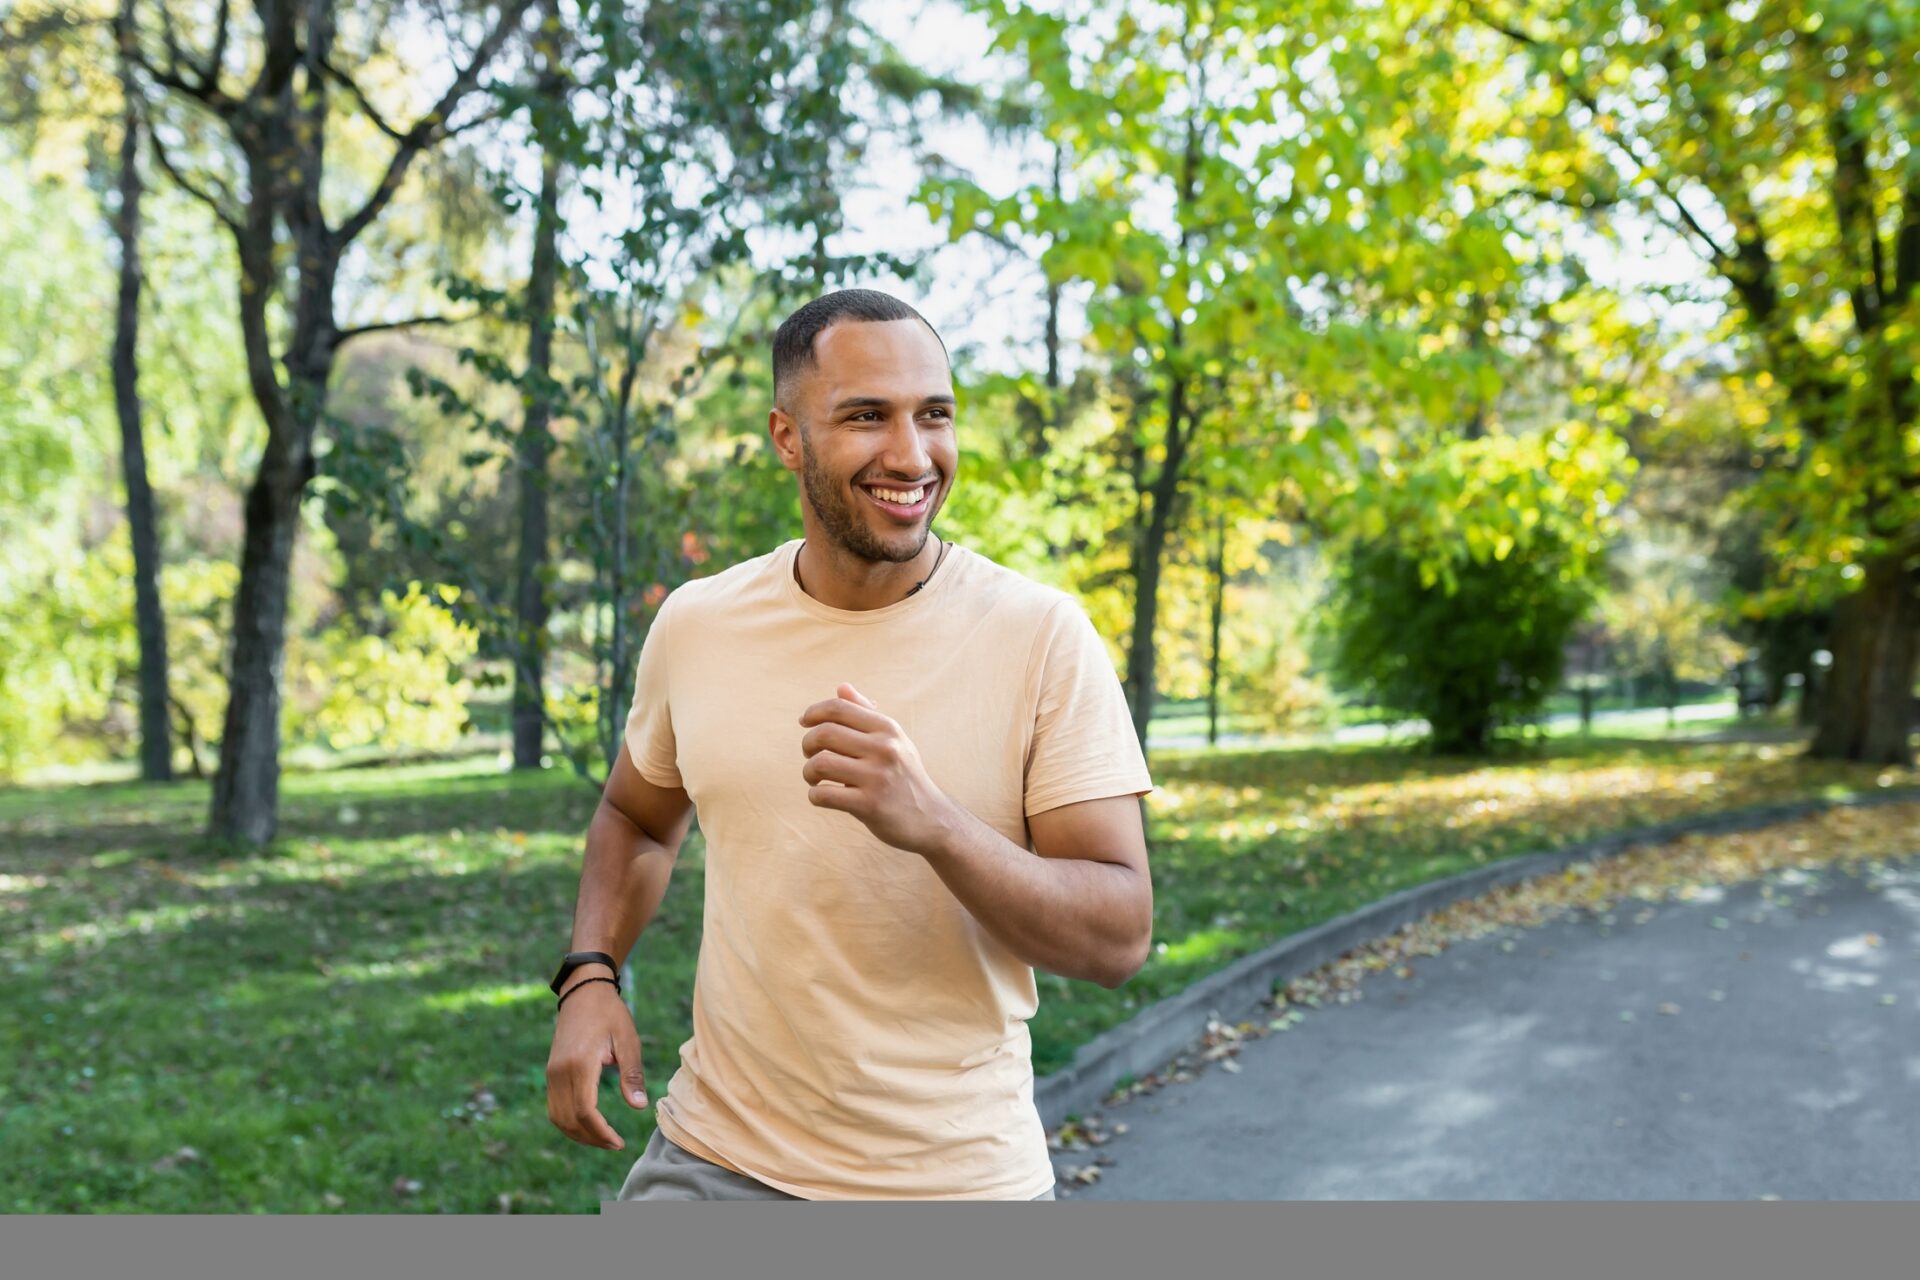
[(1633, 148), (432, 126), (1586, 200), (180, 180), (411, 322), (218, 57), (352, 86), (207, 93)]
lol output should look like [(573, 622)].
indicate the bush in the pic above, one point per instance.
[(1486, 653)]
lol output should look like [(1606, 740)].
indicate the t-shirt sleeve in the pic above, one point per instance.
[(1083, 742), (649, 730)]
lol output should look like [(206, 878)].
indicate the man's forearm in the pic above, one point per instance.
[(622, 881), (1071, 916)]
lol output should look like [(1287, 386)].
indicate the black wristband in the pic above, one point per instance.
[(583, 982)]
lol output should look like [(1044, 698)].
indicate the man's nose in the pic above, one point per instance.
[(905, 453)]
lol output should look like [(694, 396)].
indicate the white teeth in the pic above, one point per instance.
[(906, 499)]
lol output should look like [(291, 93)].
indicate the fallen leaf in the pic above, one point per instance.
[(185, 1155)]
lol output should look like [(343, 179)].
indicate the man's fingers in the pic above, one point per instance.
[(573, 1094), (587, 1109), (829, 766), (626, 1056), (825, 796), (571, 1108), (847, 712), (836, 737)]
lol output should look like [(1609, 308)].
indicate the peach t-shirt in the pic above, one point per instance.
[(856, 1033)]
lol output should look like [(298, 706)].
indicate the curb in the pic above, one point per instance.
[(1152, 1037)]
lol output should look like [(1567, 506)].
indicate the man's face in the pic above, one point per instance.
[(875, 415)]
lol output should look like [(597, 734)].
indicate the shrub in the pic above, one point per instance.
[(1487, 652)]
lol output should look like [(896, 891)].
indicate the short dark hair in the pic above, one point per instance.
[(793, 340)]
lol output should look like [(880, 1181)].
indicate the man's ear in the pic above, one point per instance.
[(785, 433)]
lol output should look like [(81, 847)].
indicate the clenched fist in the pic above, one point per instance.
[(882, 780)]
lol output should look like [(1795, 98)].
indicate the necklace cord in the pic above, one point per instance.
[(937, 560)]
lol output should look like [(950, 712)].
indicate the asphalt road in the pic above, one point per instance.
[(1786, 1063)]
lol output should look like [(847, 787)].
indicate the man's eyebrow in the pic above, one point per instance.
[(881, 402)]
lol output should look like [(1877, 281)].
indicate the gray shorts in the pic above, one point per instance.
[(667, 1171)]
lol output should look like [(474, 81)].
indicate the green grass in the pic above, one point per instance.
[(365, 1003), (1179, 720)]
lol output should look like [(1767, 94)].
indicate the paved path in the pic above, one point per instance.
[(1788, 1065)]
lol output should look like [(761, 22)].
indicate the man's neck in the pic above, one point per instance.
[(855, 584)]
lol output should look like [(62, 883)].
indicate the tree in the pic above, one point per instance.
[(1468, 658), (267, 107), (48, 57), (535, 444), (1195, 214), (156, 735), (1664, 625), (707, 121), (1775, 141)]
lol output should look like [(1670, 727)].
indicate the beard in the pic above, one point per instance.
[(846, 527)]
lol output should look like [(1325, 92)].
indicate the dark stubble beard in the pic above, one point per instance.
[(843, 525)]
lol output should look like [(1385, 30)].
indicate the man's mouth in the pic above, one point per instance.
[(901, 504)]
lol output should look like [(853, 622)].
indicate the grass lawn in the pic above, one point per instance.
[(358, 1020)]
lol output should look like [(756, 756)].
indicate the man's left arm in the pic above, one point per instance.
[(1082, 909)]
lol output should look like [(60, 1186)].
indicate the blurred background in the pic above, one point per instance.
[(1472, 426)]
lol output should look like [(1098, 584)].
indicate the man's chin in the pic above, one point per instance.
[(890, 546)]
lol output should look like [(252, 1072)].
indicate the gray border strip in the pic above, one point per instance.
[(1151, 1038)]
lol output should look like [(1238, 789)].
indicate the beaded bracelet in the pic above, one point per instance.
[(583, 982)]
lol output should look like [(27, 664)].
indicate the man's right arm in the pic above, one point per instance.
[(632, 843)]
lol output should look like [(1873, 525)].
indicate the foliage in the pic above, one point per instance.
[(407, 687), (65, 638), (1767, 138), (1468, 659), (1268, 678), (1661, 623), (68, 655)]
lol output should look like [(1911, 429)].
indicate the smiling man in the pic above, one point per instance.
[(917, 780)]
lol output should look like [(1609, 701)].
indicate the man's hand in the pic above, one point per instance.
[(884, 783), (593, 1031)]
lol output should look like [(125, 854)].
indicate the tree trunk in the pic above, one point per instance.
[(1149, 549), (1586, 708), (1219, 574), (156, 733), (1806, 710), (535, 446), (1865, 706), (246, 787), (1140, 649)]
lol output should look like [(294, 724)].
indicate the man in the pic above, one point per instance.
[(918, 782)]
